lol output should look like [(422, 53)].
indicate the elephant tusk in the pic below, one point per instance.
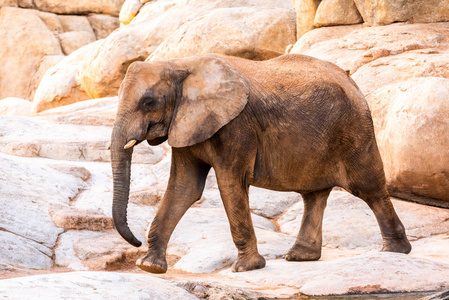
[(130, 144)]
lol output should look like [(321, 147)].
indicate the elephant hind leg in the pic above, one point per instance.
[(309, 240), (391, 227), (367, 181)]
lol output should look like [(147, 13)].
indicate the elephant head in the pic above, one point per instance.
[(185, 101)]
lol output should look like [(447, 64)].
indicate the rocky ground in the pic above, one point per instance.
[(56, 232)]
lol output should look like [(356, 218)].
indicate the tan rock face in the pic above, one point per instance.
[(73, 40), (337, 12), (305, 11), (249, 32), (391, 69), (412, 131), (351, 49), (25, 40), (109, 7), (103, 25), (60, 85), (382, 12)]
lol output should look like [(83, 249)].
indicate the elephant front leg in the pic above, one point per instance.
[(236, 203), (309, 240), (185, 186)]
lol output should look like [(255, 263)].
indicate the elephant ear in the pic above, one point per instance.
[(213, 94)]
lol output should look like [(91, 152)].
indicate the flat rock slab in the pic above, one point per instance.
[(91, 285), (376, 273), (37, 137)]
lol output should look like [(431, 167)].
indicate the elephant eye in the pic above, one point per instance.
[(148, 102)]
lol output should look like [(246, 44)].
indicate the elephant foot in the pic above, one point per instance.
[(248, 263), (302, 253), (401, 245), (152, 263)]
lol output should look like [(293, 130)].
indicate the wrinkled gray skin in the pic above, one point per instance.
[(293, 123)]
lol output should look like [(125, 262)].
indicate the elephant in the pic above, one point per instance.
[(292, 123)]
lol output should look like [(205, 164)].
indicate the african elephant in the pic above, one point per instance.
[(292, 123)]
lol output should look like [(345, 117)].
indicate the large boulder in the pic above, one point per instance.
[(80, 7), (305, 11), (103, 25), (351, 47), (250, 32), (25, 41), (390, 69), (103, 70), (412, 131), (60, 84), (337, 12), (382, 12)]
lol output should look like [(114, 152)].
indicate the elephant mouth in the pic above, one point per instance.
[(154, 136)]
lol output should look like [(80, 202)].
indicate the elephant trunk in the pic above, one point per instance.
[(121, 171)]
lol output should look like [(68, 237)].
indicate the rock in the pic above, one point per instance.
[(103, 25), (65, 255), (344, 214), (108, 7), (305, 11), (73, 40), (18, 252), (25, 40), (51, 20), (270, 204), (60, 84), (77, 171), (96, 112), (384, 272), (266, 203), (319, 35), (38, 137), (337, 12), (103, 70), (209, 247), (28, 188), (75, 23), (129, 10), (71, 218), (395, 68), (12, 3), (381, 12), (47, 62), (92, 285), (25, 203), (106, 252), (355, 48), (250, 32), (15, 107), (411, 128)]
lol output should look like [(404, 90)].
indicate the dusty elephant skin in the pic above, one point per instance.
[(293, 123)]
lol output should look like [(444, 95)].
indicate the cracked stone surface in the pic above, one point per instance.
[(35, 137), (92, 285), (27, 189)]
